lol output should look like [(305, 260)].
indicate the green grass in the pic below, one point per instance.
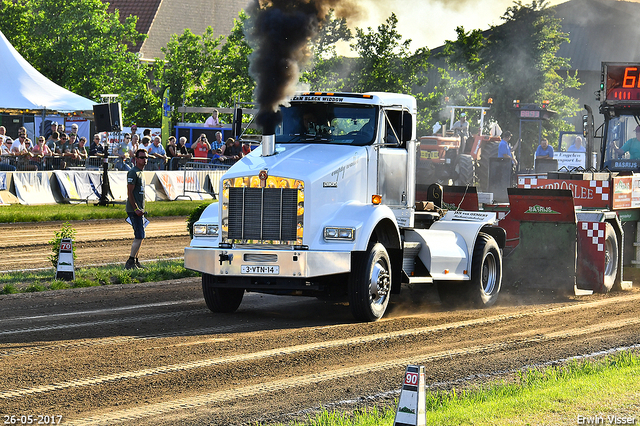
[(548, 396), (42, 280), (15, 213)]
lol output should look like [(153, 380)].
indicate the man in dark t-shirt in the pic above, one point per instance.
[(135, 206)]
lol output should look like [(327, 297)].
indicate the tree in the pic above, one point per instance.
[(78, 45), (385, 62), (328, 70), (521, 64), (460, 78)]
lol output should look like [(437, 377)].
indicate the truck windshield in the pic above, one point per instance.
[(342, 124), (622, 139)]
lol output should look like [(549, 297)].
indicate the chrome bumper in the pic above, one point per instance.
[(276, 263)]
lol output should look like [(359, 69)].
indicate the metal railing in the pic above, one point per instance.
[(200, 178)]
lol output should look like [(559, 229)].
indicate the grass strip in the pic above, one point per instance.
[(43, 280), (16, 213), (603, 391)]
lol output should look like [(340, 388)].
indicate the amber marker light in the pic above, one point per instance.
[(376, 199)]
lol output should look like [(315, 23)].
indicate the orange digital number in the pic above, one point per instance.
[(630, 80)]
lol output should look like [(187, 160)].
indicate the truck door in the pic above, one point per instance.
[(392, 161)]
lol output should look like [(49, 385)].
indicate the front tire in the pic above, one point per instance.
[(220, 299), (370, 284)]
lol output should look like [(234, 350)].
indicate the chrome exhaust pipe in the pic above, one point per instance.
[(268, 145)]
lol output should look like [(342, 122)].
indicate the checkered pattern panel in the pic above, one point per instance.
[(595, 231), (601, 187)]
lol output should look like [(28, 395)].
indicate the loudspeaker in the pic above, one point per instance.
[(108, 117), (237, 123)]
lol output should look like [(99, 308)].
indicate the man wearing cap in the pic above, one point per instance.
[(632, 146), (461, 127), (54, 128)]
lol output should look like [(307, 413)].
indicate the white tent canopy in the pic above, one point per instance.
[(23, 87)]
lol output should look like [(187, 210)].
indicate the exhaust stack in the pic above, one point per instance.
[(268, 145)]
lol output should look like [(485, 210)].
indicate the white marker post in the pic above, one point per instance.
[(66, 270), (412, 403)]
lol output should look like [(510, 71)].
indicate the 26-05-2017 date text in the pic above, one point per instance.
[(32, 419)]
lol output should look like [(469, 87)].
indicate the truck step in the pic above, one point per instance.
[(409, 254), (420, 280)]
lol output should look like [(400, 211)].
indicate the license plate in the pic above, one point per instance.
[(261, 270)]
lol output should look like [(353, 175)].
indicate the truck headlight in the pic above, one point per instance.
[(205, 230), (344, 234)]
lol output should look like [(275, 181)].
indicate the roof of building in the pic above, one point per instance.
[(160, 19), (600, 31)]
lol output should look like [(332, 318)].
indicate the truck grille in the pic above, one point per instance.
[(263, 214)]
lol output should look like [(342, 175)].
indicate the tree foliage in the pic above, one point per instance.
[(207, 70), (522, 64), (78, 45)]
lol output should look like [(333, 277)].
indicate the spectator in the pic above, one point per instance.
[(146, 132), (181, 152), (134, 132), (157, 151), (73, 140), (81, 151), (41, 150), (133, 146), (504, 149), (145, 144), (74, 128), (53, 141), (233, 151), (171, 151), (218, 143), (52, 129), (217, 157), (201, 149), (246, 148), (212, 121), (61, 128), (122, 152), (577, 145), (5, 156), (544, 150), (96, 149), (5, 148), (3, 135), (64, 147), (18, 143)]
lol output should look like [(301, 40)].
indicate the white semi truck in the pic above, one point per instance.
[(326, 205)]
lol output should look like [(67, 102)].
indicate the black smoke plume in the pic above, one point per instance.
[(280, 32)]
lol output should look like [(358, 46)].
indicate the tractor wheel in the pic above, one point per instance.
[(464, 170), (370, 284), (611, 259), (220, 299), (489, 150), (486, 272)]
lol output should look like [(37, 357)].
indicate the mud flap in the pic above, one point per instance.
[(545, 255)]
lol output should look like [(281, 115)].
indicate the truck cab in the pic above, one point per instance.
[(326, 205)]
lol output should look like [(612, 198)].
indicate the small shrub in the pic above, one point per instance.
[(59, 285), (66, 232), (9, 289), (195, 215), (34, 288)]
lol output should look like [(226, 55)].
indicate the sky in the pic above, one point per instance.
[(430, 22)]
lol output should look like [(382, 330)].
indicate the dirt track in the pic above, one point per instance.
[(25, 246), (154, 354)]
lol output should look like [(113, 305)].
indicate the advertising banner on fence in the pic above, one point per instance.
[(33, 188)]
